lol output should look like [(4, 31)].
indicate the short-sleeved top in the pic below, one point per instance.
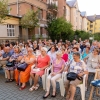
[(93, 62), (58, 67), (65, 57), (42, 61), (52, 56), (15, 56), (77, 67), (5, 55), (12, 52), (84, 55)]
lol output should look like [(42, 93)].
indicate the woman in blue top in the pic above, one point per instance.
[(86, 52), (70, 56)]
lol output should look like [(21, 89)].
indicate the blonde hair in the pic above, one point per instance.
[(18, 48), (30, 49), (44, 48), (58, 53)]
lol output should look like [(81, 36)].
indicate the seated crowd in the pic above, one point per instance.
[(22, 61)]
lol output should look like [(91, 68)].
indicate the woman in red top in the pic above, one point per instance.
[(64, 54), (43, 61)]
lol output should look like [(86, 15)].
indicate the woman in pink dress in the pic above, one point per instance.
[(56, 72), (43, 61)]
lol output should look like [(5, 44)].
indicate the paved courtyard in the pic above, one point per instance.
[(9, 91)]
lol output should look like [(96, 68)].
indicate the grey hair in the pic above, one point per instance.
[(77, 54)]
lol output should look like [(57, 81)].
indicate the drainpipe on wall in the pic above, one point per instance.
[(17, 8)]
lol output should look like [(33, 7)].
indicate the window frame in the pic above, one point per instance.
[(10, 30)]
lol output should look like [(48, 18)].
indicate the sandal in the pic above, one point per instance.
[(22, 88), (37, 86), (32, 88)]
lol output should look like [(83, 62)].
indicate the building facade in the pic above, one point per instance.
[(20, 7), (61, 8), (75, 17), (93, 25), (9, 30)]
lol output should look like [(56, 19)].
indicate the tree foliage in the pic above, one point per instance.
[(96, 36), (30, 20), (3, 10), (82, 34), (59, 29)]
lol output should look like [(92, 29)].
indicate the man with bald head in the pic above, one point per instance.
[(5, 56)]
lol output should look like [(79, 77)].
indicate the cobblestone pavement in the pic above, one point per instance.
[(9, 91)]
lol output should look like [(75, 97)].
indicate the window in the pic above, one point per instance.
[(66, 12), (10, 30), (91, 26), (64, 9), (91, 22), (40, 14), (41, 30), (91, 31)]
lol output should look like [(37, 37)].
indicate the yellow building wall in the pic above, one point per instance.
[(94, 27), (12, 20), (91, 27), (88, 25), (97, 26)]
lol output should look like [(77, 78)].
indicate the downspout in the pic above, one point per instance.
[(17, 8)]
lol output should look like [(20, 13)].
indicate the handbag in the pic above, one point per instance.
[(22, 67), (10, 64), (71, 76)]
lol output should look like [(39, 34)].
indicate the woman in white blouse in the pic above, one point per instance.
[(52, 53)]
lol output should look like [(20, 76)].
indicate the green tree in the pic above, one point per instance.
[(82, 34), (30, 20), (3, 10), (96, 36), (59, 29)]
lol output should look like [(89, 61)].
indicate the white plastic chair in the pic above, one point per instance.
[(81, 86), (43, 78), (61, 83)]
